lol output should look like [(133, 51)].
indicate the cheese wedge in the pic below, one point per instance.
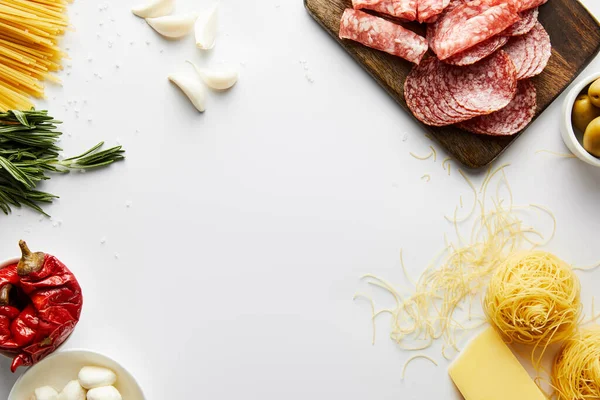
[(488, 370)]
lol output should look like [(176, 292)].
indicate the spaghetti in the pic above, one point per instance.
[(576, 368), (534, 298), (440, 307), (29, 51)]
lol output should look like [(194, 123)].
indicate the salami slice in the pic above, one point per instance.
[(439, 94), (383, 35), (470, 24), (445, 101), (428, 9), (529, 4), (543, 51), (525, 25), (404, 9), (530, 53), (484, 87), (478, 52), (511, 119), (422, 95)]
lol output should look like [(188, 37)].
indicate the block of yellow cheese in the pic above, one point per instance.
[(487, 370)]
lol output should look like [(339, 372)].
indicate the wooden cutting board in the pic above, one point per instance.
[(575, 36)]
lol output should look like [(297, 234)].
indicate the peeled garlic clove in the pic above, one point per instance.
[(156, 8), (45, 393), (73, 391), (173, 26), (219, 79), (206, 28), (93, 377), (193, 89), (104, 393)]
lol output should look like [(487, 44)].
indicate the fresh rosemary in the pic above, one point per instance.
[(29, 151)]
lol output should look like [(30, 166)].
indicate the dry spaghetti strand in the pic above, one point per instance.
[(414, 358), (29, 34)]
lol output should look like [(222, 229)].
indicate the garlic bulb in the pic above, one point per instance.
[(219, 79), (155, 8), (72, 391), (44, 393), (173, 26), (104, 393), (193, 89), (206, 28), (93, 377)]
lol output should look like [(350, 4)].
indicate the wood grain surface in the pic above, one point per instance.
[(575, 36)]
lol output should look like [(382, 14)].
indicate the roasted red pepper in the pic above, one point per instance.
[(40, 304)]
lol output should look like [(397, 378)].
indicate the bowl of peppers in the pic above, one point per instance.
[(40, 305)]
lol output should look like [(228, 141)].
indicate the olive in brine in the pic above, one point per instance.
[(594, 93), (591, 138), (584, 112)]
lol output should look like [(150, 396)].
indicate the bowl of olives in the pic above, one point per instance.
[(580, 127)]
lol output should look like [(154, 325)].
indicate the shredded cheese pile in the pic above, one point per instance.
[(29, 51)]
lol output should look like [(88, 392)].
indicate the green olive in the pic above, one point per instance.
[(591, 138), (584, 112), (594, 93)]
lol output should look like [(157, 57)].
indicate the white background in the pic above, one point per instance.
[(232, 272)]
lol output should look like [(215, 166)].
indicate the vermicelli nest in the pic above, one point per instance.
[(576, 369), (534, 298)]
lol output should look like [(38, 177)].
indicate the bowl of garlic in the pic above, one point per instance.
[(77, 375)]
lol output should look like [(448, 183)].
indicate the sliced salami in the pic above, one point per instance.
[(404, 9), (439, 94), (422, 96), (432, 25), (525, 25), (470, 24), (429, 9), (543, 51), (484, 87), (529, 4), (530, 53), (520, 50), (445, 101), (511, 119), (478, 52), (383, 35)]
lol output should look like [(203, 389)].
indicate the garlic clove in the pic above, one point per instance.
[(155, 8), (206, 28), (44, 393), (173, 26), (104, 393), (72, 391), (220, 79), (93, 377), (193, 89)]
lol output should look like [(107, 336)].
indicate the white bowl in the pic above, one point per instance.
[(59, 368), (574, 140)]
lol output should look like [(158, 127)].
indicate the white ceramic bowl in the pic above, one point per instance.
[(572, 139), (59, 368)]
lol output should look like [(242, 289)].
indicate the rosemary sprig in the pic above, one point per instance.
[(29, 151)]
